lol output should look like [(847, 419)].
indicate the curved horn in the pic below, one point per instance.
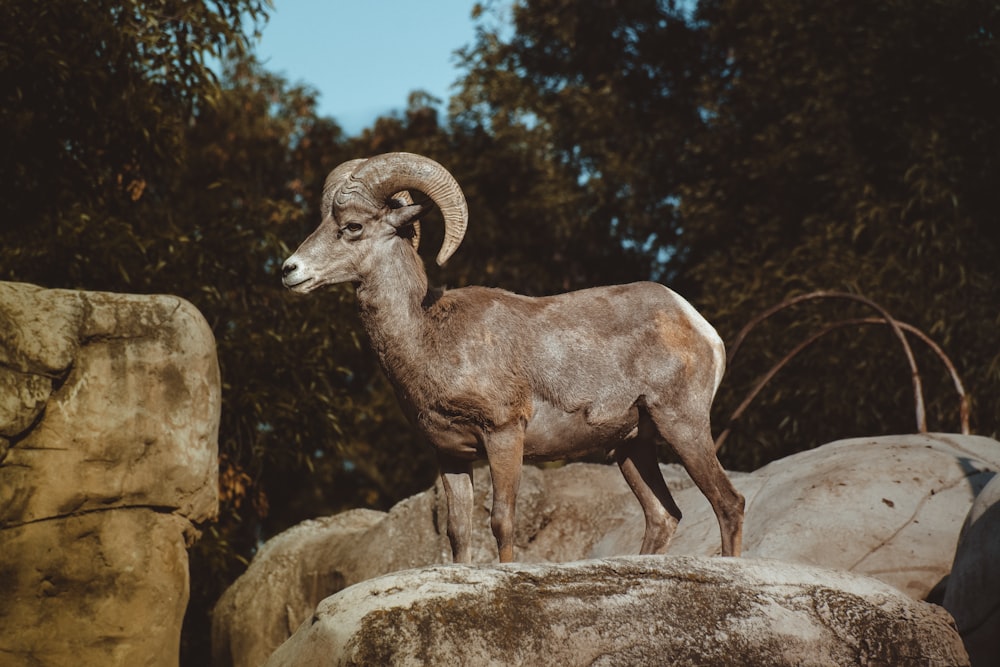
[(384, 175), (337, 177)]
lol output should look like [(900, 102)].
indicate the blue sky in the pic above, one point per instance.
[(366, 56)]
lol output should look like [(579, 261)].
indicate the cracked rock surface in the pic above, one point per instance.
[(109, 414), (890, 507)]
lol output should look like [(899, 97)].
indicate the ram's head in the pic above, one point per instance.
[(366, 209)]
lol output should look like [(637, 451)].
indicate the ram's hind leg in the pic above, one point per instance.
[(637, 460), (692, 440)]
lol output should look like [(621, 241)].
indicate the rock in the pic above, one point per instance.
[(109, 415), (973, 591), (639, 610), (97, 588), (590, 512), (295, 570), (286, 579), (887, 507)]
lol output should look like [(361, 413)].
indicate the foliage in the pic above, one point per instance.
[(849, 146), (759, 151), (607, 96), (94, 100)]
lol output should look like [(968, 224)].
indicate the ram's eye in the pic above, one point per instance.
[(353, 227)]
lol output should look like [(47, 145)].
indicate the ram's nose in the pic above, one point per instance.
[(290, 274)]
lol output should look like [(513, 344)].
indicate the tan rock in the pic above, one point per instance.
[(285, 581), (139, 379), (109, 415), (99, 588), (639, 610)]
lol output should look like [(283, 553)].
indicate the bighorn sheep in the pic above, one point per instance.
[(484, 372)]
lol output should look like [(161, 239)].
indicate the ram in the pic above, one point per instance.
[(483, 372)]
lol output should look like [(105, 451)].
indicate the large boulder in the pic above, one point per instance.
[(887, 507), (639, 610), (288, 577), (890, 507), (109, 415), (973, 592)]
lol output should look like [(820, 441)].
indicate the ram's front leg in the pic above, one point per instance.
[(505, 452), (456, 476)]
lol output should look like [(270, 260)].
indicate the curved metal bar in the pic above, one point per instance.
[(918, 392), (964, 402)]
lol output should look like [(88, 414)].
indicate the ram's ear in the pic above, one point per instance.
[(407, 215)]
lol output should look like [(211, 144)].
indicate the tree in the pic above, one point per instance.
[(605, 96), (95, 97), (848, 146), (751, 152)]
